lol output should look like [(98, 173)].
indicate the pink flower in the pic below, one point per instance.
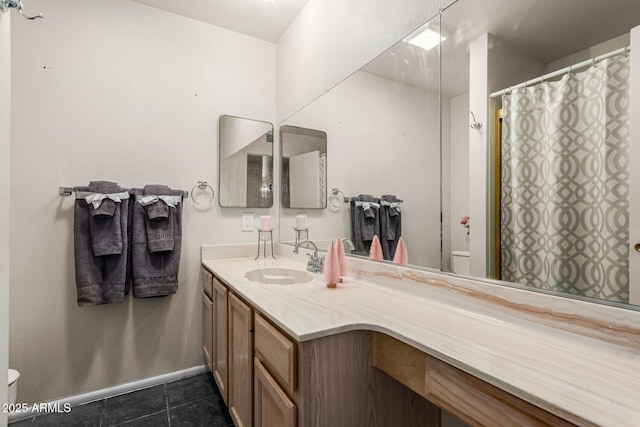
[(465, 223)]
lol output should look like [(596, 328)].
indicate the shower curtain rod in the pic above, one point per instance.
[(562, 71)]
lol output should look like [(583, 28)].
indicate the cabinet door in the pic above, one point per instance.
[(220, 338), (207, 282), (207, 329), (240, 362), (273, 408)]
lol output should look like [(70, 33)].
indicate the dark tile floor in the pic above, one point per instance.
[(193, 401)]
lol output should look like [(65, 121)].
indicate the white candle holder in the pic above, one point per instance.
[(299, 233), (265, 236)]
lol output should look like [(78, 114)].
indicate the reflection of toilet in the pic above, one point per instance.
[(460, 262), (13, 385)]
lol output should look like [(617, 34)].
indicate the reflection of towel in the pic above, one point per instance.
[(368, 222), (390, 224), (364, 222), (100, 279), (155, 273), (159, 222)]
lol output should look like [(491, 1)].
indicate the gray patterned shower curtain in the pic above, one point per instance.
[(565, 183)]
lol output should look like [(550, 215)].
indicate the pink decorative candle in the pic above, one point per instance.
[(375, 253), (331, 267), (401, 256), (265, 222)]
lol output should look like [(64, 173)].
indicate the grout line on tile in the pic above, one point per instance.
[(137, 419), (166, 401), (104, 408)]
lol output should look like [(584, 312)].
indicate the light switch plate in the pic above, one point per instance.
[(247, 222)]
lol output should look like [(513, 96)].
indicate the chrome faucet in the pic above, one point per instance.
[(316, 263)]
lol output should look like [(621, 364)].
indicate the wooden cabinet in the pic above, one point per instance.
[(220, 338), (355, 378), (227, 343), (275, 371), (472, 400), (276, 352), (207, 283), (207, 317), (207, 329), (272, 406), (240, 362)]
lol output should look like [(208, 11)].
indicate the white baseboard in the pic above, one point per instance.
[(104, 393)]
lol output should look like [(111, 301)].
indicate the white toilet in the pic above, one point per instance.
[(13, 385), (460, 262)]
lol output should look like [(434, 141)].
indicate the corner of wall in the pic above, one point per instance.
[(5, 122), (634, 208), (478, 95), (313, 56)]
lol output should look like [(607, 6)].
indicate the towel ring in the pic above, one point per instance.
[(202, 185), (334, 195)]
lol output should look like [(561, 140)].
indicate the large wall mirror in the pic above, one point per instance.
[(383, 134), (245, 156), (539, 192), (303, 165), (546, 181)]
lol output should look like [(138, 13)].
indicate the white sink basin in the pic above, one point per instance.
[(278, 276)]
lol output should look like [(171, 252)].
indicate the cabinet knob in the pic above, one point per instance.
[(637, 247)]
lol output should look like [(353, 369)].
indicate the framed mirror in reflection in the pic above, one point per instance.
[(303, 162), (245, 156), (383, 127), (546, 183)]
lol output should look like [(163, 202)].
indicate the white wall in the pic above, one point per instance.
[(382, 138), (115, 90), (583, 55), (459, 172), (445, 182), (330, 39), (478, 93), (5, 191), (494, 65), (239, 134)]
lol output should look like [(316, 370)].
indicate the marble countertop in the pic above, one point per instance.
[(596, 381)]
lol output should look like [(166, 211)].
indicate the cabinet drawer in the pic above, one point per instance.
[(276, 352), (207, 282)]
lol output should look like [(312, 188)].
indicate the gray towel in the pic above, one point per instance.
[(106, 234), (364, 224), (368, 222), (390, 226), (159, 222), (99, 279), (154, 273)]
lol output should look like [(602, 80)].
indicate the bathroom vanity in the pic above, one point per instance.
[(391, 346)]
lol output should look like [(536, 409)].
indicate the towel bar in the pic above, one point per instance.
[(68, 191)]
